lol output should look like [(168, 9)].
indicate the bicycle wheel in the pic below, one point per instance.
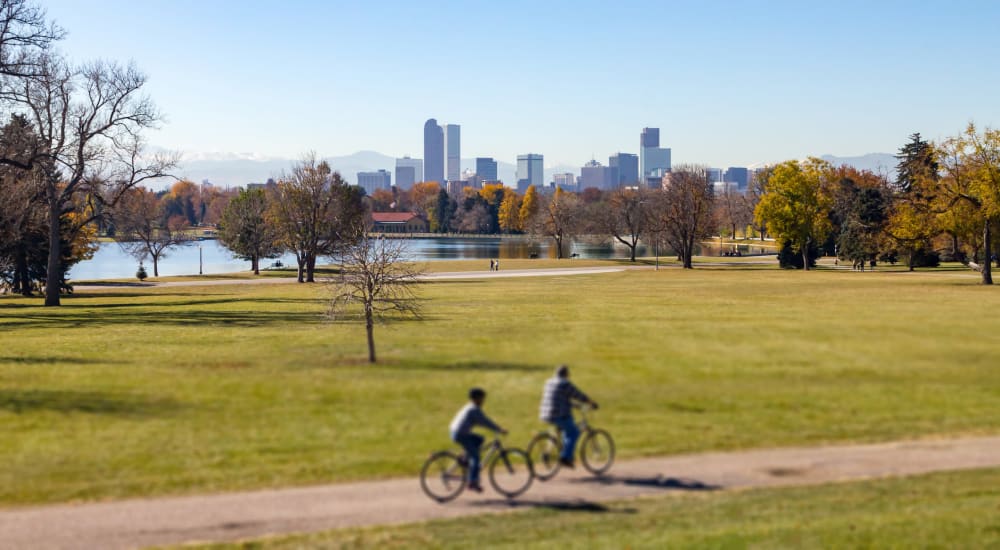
[(597, 451), (511, 472), (544, 452), (443, 477)]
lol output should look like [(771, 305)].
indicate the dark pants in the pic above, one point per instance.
[(472, 443), (570, 433)]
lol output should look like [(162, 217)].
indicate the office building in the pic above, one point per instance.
[(738, 175), (600, 177), (408, 172), (486, 169), (372, 181), (453, 152), (565, 181), (628, 168), (654, 161), (714, 174), (433, 152), (530, 171)]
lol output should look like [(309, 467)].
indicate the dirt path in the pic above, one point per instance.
[(232, 516)]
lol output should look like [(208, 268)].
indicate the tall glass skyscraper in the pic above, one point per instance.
[(486, 168), (453, 152), (628, 168), (654, 161), (433, 152), (408, 172), (530, 171)]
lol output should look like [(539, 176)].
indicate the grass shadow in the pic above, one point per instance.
[(54, 360), (658, 482), (559, 505), (498, 366), (90, 402)]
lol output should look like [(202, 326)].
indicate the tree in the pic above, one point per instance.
[(913, 216), (145, 229), (625, 216), (90, 120), (860, 212), (683, 211), (557, 217), (731, 209), (22, 220), (755, 190), (245, 229), (796, 205), (510, 212), (443, 213), (313, 211), (375, 275), (529, 206), (25, 35)]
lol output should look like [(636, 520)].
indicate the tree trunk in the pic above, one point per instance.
[(52, 275), (156, 264), (255, 264), (300, 275), (632, 252), (559, 253), (987, 255), (909, 260), (311, 269), (805, 256), (370, 328), (22, 281), (734, 231)]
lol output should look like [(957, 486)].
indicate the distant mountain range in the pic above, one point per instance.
[(238, 169)]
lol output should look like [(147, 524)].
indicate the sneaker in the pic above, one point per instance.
[(567, 463), (475, 488)]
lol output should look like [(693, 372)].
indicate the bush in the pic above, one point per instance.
[(141, 273), (790, 258), (925, 258)]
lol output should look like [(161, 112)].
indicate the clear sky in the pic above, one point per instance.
[(728, 83)]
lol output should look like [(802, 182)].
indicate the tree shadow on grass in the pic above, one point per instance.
[(658, 482), (71, 318), (53, 360), (466, 366), (560, 505), (71, 401)]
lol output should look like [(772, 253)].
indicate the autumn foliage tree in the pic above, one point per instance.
[(557, 217), (796, 204), (144, 227), (245, 229), (510, 212), (683, 211)]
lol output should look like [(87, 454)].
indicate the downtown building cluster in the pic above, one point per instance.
[(442, 164)]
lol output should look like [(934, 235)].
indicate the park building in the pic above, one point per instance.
[(372, 181), (398, 222)]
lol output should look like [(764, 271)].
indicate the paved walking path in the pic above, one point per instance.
[(232, 516)]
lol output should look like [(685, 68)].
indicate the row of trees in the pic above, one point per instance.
[(946, 197), (71, 148)]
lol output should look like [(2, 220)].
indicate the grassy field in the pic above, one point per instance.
[(152, 391), (948, 510)]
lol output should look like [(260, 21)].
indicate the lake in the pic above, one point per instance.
[(111, 262)]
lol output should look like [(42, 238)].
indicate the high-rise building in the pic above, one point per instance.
[(486, 169), (714, 174), (628, 168), (453, 152), (601, 177), (408, 172), (565, 181), (433, 152), (530, 171), (738, 175), (654, 161), (371, 181)]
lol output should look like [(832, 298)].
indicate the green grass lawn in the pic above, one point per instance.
[(151, 391), (948, 510)]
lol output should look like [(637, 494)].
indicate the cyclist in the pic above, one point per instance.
[(469, 417), (557, 402)]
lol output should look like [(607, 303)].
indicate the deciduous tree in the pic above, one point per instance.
[(558, 218), (683, 211), (796, 204), (245, 229), (144, 227)]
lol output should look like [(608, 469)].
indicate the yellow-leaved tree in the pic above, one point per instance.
[(796, 204), (529, 206), (510, 211)]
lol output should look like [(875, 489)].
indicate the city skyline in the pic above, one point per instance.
[(782, 82)]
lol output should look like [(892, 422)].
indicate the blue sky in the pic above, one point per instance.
[(728, 83)]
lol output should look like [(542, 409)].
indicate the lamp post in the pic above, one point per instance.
[(200, 262)]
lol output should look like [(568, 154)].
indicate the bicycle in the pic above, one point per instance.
[(597, 449), (445, 473)]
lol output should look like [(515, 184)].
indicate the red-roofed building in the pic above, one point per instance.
[(398, 222)]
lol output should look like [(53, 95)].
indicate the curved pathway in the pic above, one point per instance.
[(233, 516)]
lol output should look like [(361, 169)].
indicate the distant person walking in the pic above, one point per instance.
[(469, 417), (557, 409), (491, 264)]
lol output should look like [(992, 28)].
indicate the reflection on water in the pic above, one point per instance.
[(111, 262)]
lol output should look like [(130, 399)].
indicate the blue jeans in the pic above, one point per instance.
[(471, 443), (570, 433)]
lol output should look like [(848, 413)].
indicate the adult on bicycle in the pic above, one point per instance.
[(557, 409), (469, 417)]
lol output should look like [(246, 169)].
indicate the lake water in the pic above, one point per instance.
[(110, 262)]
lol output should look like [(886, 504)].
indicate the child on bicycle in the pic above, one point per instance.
[(469, 417)]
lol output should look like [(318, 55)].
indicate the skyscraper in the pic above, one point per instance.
[(738, 175), (453, 152), (628, 168), (486, 168), (433, 152), (408, 172), (530, 171), (601, 177), (654, 161), (370, 181)]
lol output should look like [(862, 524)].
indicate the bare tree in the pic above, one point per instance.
[(557, 217), (731, 209), (90, 120), (314, 211), (375, 275), (625, 216), (684, 210), (144, 230), (245, 230)]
